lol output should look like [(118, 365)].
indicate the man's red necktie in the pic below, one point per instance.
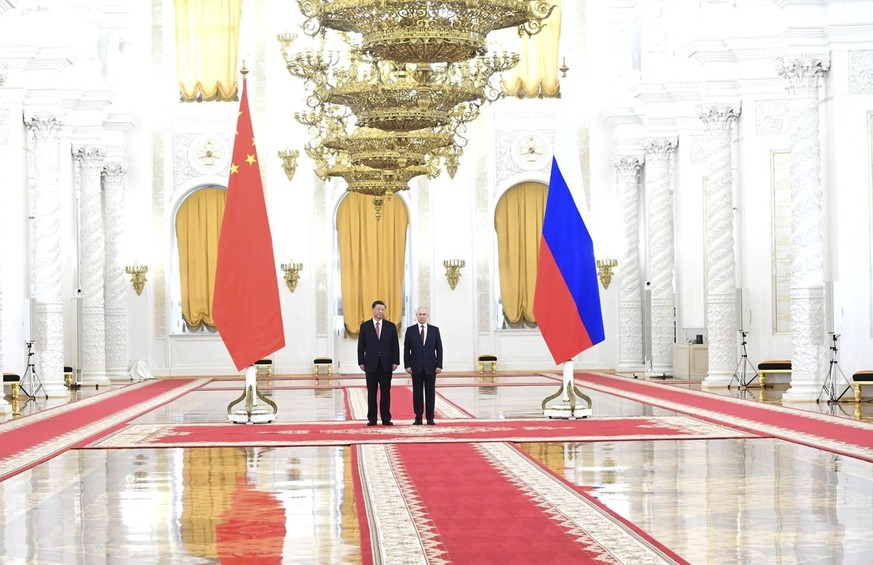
[(421, 328)]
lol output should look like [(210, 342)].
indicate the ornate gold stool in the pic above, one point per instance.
[(14, 382), (860, 379), (322, 362), (767, 367), (483, 359), (68, 377)]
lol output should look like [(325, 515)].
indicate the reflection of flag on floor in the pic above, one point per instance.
[(567, 299), (246, 305)]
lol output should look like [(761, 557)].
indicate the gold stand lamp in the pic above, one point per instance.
[(137, 274), (289, 162), (604, 271), (292, 274), (453, 271)]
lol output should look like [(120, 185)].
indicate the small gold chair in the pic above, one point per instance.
[(14, 382), (860, 379), (322, 362), (492, 359), (767, 367)]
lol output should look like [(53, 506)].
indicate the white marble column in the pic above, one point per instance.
[(809, 347), (630, 300), (721, 269), (661, 251), (91, 264), (49, 323), (114, 288)]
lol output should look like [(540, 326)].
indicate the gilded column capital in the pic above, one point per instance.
[(803, 72), (718, 117), (660, 148)]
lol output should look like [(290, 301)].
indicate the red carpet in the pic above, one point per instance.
[(447, 431), (27, 441), (839, 435), (487, 503)]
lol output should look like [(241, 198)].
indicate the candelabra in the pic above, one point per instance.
[(292, 274), (137, 274), (604, 271), (453, 271)]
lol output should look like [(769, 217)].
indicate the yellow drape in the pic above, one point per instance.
[(207, 46), (198, 224), (518, 221), (536, 74), (372, 257)]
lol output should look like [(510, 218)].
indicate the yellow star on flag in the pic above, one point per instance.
[(250, 159), (234, 168)]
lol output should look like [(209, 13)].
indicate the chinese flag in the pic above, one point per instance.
[(246, 306)]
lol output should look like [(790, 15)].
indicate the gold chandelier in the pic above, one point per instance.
[(394, 104), (418, 31)]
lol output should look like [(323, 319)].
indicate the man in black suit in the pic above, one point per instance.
[(378, 356), (423, 359)]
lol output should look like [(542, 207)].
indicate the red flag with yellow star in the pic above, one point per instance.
[(246, 305)]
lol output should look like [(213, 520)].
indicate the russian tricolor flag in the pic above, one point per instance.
[(567, 298)]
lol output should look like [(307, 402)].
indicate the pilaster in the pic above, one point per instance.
[(115, 314)]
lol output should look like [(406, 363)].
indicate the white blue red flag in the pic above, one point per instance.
[(567, 297)]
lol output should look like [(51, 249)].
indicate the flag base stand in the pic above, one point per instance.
[(569, 408), (252, 413)]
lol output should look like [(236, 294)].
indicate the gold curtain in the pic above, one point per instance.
[(372, 257), (518, 221), (198, 224), (536, 74), (207, 46)]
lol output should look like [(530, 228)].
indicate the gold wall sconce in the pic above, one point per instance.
[(453, 271), (137, 274), (292, 274), (604, 271), (289, 162)]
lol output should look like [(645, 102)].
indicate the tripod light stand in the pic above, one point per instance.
[(31, 384), (743, 367), (830, 382)]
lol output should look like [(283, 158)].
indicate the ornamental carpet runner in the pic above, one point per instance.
[(26, 441), (450, 502), (820, 431)]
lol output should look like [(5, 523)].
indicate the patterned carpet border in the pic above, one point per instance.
[(41, 451), (448, 431), (737, 422)]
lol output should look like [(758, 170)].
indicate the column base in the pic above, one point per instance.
[(718, 380), (802, 392)]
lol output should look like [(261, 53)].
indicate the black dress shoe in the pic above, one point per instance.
[(371, 423), (416, 423), (431, 423), (387, 423)]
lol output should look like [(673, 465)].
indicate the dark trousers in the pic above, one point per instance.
[(423, 393), (379, 382)]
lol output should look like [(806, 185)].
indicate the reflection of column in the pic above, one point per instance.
[(808, 359), (49, 323), (114, 284), (661, 253), (721, 296), (93, 331), (630, 300)]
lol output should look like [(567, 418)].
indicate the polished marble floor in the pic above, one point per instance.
[(711, 501)]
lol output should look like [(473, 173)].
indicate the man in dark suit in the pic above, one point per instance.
[(378, 356), (423, 359)]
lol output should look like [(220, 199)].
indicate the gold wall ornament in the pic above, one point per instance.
[(292, 274), (453, 271), (137, 274), (604, 271), (289, 162)]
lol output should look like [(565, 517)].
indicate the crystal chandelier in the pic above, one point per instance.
[(395, 102)]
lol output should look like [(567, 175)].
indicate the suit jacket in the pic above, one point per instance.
[(373, 351), (423, 358)]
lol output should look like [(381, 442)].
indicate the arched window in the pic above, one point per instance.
[(372, 258), (198, 225), (518, 221)]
